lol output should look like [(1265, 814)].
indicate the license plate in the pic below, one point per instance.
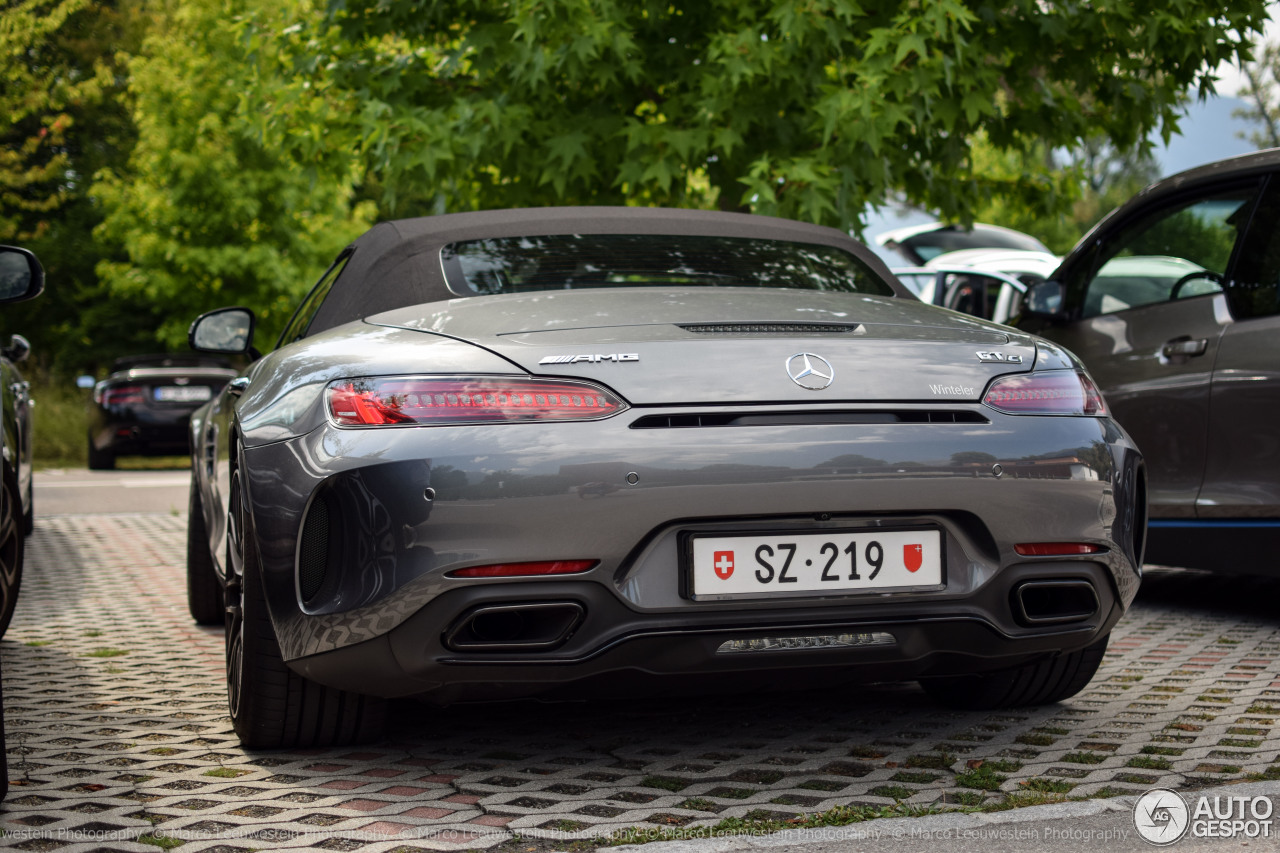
[(836, 561), (183, 393)]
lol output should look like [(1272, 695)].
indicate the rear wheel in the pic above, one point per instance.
[(272, 707), (11, 549), (1039, 683), (100, 460), (204, 592)]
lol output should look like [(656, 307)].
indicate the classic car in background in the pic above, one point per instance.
[(919, 244), (527, 452), (1173, 303), (142, 408)]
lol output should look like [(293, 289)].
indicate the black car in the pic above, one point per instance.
[(144, 406), (21, 278), (1173, 303)]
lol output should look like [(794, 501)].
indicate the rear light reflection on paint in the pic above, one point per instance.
[(1056, 549), (518, 570), (1046, 392), (426, 400)]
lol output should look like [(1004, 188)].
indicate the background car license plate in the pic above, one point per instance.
[(762, 566), (183, 393)]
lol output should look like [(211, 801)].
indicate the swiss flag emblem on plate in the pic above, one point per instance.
[(723, 563), (912, 556)]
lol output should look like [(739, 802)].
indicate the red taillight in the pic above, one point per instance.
[(1046, 392), (517, 570), (1055, 549), (425, 400), (123, 395)]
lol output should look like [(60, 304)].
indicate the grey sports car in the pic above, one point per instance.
[(572, 450)]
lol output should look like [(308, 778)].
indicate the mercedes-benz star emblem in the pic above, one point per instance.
[(810, 371)]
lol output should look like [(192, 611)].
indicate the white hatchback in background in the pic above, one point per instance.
[(986, 283)]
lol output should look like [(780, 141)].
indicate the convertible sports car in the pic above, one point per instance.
[(570, 450)]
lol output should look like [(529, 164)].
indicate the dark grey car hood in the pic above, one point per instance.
[(889, 349)]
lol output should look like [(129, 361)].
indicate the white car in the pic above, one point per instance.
[(987, 283)]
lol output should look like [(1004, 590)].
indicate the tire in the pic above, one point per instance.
[(100, 460), (1040, 683), (272, 707), (12, 548), (204, 590), (29, 517)]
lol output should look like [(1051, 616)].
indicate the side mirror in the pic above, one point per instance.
[(85, 382), (21, 276), (228, 331), (18, 349), (1045, 299)]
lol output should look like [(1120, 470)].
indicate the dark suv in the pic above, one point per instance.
[(1173, 303)]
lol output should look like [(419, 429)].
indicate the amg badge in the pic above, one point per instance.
[(594, 359)]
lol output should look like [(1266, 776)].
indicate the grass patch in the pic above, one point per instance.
[(1003, 766), (93, 633), (866, 752), (698, 804), (1240, 742), (1262, 708), (1247, 730), (666, 783), (916, 778), (1271, 774), (982, 778), (60, 423), (227, 772), (893, 792), (1149, 762), (1227, 641), (1084, 758), (35, 644), (106, 653), (1163, 750), (164, 842), (1036, 739), (823, 785), (1054, 730), (733, 793), (933, 761), (1048, 786)]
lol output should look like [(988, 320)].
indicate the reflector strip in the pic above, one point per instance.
[(1056, 549), (428, 400), (819, 641), (516, 570)]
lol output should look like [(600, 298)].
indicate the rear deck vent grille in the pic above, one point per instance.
[(771, 328), (883, 416)]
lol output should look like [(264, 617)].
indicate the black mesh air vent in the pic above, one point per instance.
[(803, 418), (771, 328), (313, 555)]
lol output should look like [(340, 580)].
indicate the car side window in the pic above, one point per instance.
[(1175, 252), (1254, 289), (301, 320)]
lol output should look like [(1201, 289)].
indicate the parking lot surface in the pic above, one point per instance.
[(116, 729)]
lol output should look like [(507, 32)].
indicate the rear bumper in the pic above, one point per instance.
[(613, 644)]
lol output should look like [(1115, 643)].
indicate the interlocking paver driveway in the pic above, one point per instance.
[(116, 726)]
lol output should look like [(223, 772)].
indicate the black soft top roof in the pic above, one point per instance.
[(396, 264)]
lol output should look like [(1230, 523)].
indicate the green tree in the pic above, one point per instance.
[(205, 214), (805, 109), (1262, 92)]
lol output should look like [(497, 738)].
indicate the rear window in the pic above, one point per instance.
[(573, 261)]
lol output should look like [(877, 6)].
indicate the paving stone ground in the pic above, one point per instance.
[(116, 728)]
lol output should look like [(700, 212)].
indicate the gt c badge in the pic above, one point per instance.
[(810, 371), (999, 357)]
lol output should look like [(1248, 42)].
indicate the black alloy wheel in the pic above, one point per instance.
[(273, 707), (11, 549)]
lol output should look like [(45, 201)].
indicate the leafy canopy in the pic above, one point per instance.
[(801, 108)]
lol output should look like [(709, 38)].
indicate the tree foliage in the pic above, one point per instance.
[(204, 214), (802, 108), (1262, 93)]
